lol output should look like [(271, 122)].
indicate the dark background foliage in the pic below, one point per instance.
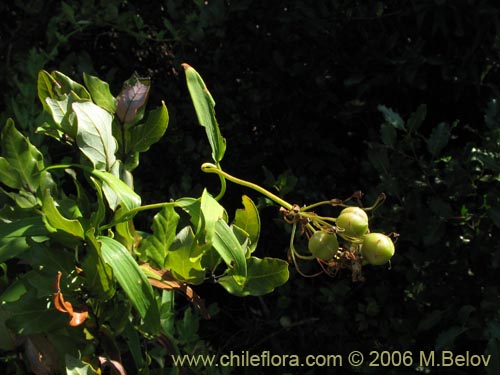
[(299, 86)]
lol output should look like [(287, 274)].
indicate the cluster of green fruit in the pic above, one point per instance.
[(352, 226)]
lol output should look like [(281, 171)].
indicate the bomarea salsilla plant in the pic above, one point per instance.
[(78, 279)]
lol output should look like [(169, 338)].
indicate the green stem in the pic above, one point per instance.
[(322, 203), (222, 185), (211, 168), (131, 213)]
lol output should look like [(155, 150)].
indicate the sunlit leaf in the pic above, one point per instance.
[(76, 317), (164, 229), (204, 106), (21, 162), (98, 274), (132, 98), (231, 251), (94, 135), (144, 135), (116, 191), (263, 276), (164, 279), (248, 219), (66, 85), (57, 221), (184, 257), (101, 95), (132, 280)]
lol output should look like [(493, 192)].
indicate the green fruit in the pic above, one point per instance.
[(323, 245), (354, 221), (377, 249)]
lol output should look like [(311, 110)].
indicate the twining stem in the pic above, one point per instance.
[(211, 168), (222, 185)]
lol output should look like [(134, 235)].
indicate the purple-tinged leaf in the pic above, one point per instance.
[(130, 100)]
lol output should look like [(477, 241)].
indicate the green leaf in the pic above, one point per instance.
[(94, 134), (439, 138), (63, 116), (14, 236), (227, 245), (263, 276), (211, 212), (204, 106), (21, 162), (184, 257), (66, 85), (8, 176), (144, 135), (57, 221), (164, 227), (379, 159), (417, 118), (100, 93), (75, 366), (45, 90), (388, 134), (30, 315), (248, 219), (391, 117), (98, 274), (116, 191), (132, 280)]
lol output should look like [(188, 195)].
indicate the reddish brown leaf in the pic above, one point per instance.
[(168, 282), (61, 305)]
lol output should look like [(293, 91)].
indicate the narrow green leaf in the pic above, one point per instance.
[(116, 191), (204, 106), (391, 117), (21, 159), (100, 93), (144, 135), (248, 219), (231, 251), (164, 229), (263, 276), (98, 274), (439, 138), (94, 134), (133, 281)]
